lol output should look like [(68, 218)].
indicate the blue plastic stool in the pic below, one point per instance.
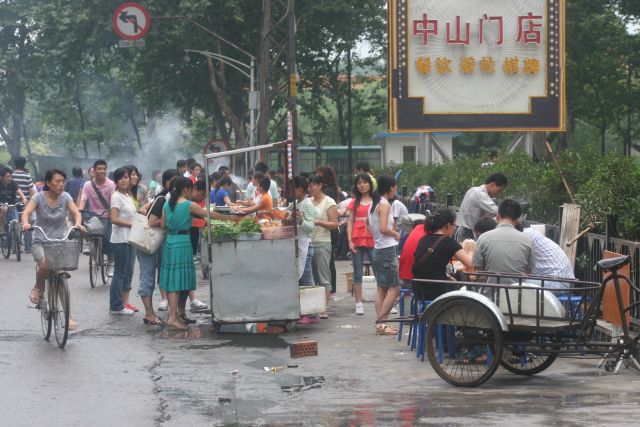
[(421, 330), (403, 295), (573, 303)]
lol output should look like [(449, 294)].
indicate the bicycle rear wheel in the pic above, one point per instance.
[(17, 239), (6, 244), (60, 311), (94, 265), (45, 313)]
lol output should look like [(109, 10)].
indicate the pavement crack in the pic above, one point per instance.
[(163, 405)]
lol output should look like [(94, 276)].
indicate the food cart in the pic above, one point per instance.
[(252, 281)]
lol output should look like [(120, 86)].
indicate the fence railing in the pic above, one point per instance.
[(588, 252)]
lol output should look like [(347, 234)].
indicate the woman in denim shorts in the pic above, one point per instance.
[(385, 259)]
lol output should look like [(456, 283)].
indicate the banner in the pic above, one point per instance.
[(476, 65)]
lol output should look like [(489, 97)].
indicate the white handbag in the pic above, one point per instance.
[(144, 237)]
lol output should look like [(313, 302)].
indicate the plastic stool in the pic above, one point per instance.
[(573, 303)]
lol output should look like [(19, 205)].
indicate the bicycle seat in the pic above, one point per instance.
[(613, 263)]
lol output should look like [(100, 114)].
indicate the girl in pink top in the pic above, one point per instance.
[(360, 239)]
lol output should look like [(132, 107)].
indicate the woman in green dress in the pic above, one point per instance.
[(178, 274)]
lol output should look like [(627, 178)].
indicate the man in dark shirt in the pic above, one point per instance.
[(25, 182), (9, 194), (75, 184)]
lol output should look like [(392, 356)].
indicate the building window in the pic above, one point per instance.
[(408, 154)]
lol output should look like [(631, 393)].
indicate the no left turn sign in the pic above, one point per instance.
[(131, 21)]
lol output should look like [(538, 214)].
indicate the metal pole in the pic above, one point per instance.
[(349, 122)]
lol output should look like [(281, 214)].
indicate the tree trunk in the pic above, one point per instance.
[(82, 121), (135, 130), (29, 153)]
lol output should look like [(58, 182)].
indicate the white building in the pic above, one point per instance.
[(418, 147)]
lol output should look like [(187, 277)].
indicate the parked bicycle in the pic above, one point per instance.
[(12, 240), (98, 263), (61, 257)]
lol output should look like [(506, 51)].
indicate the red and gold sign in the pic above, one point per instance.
[(460, 65)]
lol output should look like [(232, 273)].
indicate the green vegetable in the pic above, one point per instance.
[(223, 230), (248, 226)]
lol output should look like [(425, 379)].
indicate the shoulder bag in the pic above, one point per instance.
[(144, 237), (427, 254)]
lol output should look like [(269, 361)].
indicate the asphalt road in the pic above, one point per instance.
[(117, 371)]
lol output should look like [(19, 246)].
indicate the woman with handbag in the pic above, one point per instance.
[(434, 252), (148, 262)]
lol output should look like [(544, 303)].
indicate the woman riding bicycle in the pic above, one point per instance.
[(52, 207)]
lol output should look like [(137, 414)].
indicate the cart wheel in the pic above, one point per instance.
[(527, 358), (464, 342), (610, 365), (290, 326)]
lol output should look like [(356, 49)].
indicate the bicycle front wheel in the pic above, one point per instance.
[(61, 310), (17, 240), (103, 265), (45, 313), (94, 265)]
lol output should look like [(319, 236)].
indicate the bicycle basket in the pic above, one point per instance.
[(94, 226), (62, 256)]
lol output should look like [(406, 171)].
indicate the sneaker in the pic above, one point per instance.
[(394, 310), (125, 311), (164, 305), (132, 307), (359, 308), (85, 252), (196, 304), (333, 296)]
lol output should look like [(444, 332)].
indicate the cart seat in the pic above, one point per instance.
[(613, 263), (524, 301)]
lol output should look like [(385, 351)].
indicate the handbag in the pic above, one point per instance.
[(144, 237)]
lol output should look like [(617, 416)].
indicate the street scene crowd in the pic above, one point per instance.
[(404, 250)]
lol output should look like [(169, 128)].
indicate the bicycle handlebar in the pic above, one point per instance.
[(92, 213), (56, 240), (7, 205)]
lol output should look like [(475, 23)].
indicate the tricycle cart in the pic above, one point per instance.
[(520, 324), (252, 281)]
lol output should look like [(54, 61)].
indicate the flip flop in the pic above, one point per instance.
[(156, 321)]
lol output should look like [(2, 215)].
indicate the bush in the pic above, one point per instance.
[(608, 185)]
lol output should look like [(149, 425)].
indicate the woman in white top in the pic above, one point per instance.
[(123, 211), (385, 259), (326, 221)]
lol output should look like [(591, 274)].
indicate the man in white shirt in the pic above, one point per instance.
[(550, 260), (478, 203)]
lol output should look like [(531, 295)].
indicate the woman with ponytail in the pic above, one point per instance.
[(178, 274), (434, 252)]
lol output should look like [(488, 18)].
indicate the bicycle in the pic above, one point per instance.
[(97, 259), (13, 232), (61, 257)]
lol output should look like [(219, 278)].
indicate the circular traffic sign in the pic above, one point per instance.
[(131, 21)]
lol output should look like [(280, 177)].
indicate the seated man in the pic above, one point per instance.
[(505, 249), (550, 260)]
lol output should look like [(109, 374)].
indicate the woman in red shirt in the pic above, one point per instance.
[(360, 239)]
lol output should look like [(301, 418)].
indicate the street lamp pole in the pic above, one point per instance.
[(253, 96)]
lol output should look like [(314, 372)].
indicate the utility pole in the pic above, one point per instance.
[(349, 170), (293, 82)]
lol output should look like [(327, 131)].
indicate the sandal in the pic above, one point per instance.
[(156, 321), (186, 320), (32, 296), (386, 330), (324, 315), (177, 326)]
